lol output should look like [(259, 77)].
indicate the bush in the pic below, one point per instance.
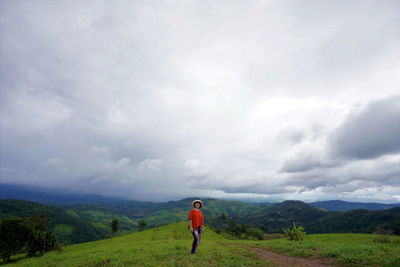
[(255, 232), (296, 233)]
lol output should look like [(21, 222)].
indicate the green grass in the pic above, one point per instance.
[(170, 245), (346, 249)]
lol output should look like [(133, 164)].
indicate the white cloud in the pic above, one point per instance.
[(150, 164)]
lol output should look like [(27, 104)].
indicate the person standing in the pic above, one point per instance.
[(196, 223)]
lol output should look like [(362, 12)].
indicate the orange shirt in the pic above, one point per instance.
[(197, 217)]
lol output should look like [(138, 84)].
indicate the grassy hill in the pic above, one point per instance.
[(170, 245)]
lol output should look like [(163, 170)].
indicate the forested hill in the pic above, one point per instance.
[(67, 227), (316, 220)]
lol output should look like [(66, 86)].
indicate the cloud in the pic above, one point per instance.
[(301, 162), (57, 163), (195, 168), (223, 99), (151, 164), (370, 131)]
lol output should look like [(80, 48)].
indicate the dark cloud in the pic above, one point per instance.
[(301, 162), (370, 132)]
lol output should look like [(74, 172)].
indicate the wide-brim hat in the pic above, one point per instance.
[(197, 200)]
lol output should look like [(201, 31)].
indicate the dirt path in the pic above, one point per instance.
[(285, 260)]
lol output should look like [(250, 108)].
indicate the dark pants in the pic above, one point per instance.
[(197, 236)]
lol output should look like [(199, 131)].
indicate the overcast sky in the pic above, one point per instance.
[(161, 100)]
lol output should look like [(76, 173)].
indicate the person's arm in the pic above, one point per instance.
[(190, 222)]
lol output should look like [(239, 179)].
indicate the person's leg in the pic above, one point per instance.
[(200, 231), (195, 241)]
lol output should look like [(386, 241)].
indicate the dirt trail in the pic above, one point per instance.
[(285, 260)]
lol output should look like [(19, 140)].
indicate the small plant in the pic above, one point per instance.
[(154, 236), (296, 233)]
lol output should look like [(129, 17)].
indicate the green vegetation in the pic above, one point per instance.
[(170, 245), (101, 218), (295, 233), (316, 220), (68, 228), (346, 249), (28, 235), (114, 226)]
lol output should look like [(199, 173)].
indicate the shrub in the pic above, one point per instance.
[(296, 233), (255, 232)]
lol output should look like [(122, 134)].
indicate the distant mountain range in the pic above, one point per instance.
[(60, 198), (339, 205)]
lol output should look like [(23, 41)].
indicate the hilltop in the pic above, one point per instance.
[(170, 245)]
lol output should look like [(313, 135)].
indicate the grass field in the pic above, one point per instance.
[(170, 246)]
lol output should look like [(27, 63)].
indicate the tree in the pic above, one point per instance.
[(234, 228), (17, 233), (13, 236), (39, 239), (114, 225), (222, 216), (142, 224)]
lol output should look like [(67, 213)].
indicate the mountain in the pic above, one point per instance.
[(357, 221), (59, 197), (317, 220), (339, 205), (100, 217), (155, 213), (52, 196), (174, 211), (67, 227), (272, 218)]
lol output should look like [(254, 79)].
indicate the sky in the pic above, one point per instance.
[(162, 100)]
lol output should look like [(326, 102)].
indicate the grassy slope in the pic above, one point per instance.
[(348, 249), (170, 246)]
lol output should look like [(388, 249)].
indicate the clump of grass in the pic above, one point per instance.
[(295, 234)]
